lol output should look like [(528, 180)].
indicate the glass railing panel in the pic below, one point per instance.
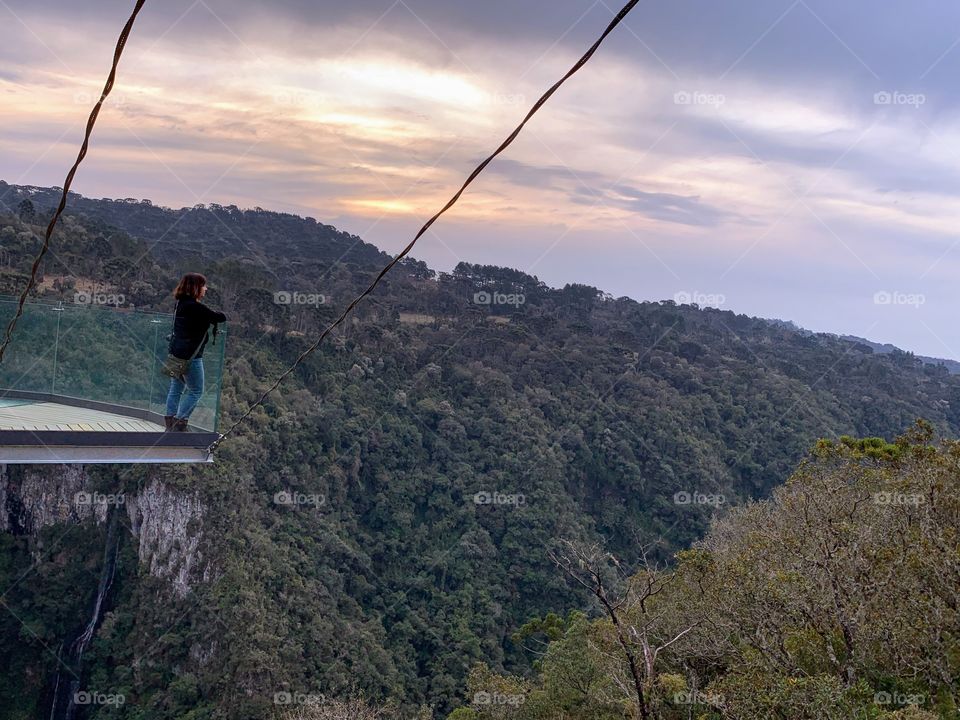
[(30, 362), (104, 355), (101, 354)]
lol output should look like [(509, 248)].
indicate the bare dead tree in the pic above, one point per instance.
[(588, 566), (626, 598)]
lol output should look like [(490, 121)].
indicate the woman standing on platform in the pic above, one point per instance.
[(191, 324)]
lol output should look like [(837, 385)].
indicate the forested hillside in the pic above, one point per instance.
[(835, 599), (443, 443)]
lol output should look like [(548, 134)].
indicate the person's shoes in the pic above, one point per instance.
[(180, 425), (168, 422)]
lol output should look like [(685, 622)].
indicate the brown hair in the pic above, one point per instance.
[(190, 286)]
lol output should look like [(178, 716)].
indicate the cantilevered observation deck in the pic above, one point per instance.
[(80, 383)]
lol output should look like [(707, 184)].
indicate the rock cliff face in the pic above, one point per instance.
[(167, 523), (42, 496)]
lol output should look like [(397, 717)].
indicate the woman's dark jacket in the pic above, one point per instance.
[(190, 326)]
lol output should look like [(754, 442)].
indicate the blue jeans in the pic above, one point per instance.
[(180, 404)]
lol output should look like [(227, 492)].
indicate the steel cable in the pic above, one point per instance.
[(479, 169), (91, 122)]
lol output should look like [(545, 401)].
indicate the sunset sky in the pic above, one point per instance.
[(786, 159)]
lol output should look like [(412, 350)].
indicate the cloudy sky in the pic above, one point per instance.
[(784, 158)]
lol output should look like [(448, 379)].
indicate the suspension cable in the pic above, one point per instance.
[(91, 122), (473, 176)]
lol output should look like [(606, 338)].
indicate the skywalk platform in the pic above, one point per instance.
[(81, 384), (48, 430)]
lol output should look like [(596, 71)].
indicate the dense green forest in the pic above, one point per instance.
[(465, 439)]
